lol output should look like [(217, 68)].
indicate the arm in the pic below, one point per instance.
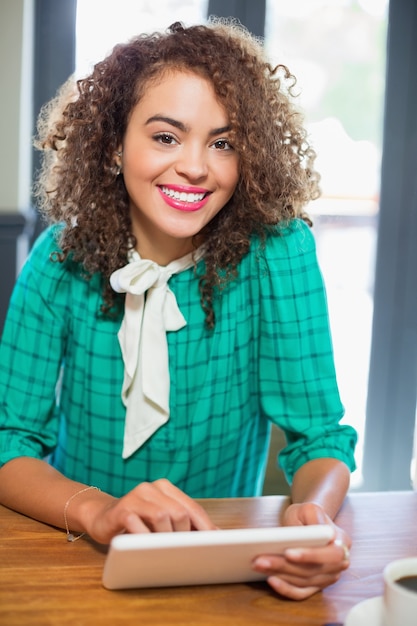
[(322, 481), (318, 491), (300, 394), (32, 350), (32, 487)]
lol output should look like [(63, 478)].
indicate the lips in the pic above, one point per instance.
[(184, 198)]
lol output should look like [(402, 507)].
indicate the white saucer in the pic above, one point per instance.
[(367, 613)]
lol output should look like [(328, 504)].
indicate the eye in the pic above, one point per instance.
[(165, 138), (222, 144)]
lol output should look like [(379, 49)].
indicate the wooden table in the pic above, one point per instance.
[(46, 581)]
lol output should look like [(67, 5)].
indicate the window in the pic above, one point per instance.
[(336, 49), (113, 22)]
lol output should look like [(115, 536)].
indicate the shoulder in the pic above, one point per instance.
[(293, 238), (46, 244), (42, 271), (285, 247)]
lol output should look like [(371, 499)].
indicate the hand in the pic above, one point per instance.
[(299, 573), (149, 507)]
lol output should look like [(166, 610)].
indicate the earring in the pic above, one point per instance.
[(118, 168)]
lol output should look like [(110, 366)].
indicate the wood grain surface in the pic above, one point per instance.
[(44, 580)]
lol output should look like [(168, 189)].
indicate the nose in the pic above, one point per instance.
[(192, 162)]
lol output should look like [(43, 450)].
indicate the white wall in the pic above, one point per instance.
[(16, 54)]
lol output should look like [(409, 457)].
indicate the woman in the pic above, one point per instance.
[(174, 307)]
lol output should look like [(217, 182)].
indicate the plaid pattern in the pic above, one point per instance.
[(269, 359)]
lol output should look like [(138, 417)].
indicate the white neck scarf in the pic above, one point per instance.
[(150, 310)]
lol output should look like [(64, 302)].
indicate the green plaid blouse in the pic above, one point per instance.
[(269, 359)]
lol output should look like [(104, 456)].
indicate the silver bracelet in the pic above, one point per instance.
[(70, 536)]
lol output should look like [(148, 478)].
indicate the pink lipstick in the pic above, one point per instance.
[(184, 198)]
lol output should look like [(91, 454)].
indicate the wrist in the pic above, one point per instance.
[(81, 509)]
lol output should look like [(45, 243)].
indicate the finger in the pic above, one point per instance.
[(274, 564), (290, 591), (145, 509), (345, 550), (315, 579), (333, 556), (165, 508), (133, 524), (315, 582), (162, 517), (269, 564), (139, 515), (200, 520), (116, 521), (160, 512), (152, 507)]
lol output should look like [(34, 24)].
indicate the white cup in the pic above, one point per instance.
[(400, 604)]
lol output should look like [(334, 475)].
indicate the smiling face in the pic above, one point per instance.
[(178, 166)]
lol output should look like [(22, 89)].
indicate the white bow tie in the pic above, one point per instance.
[(150, 310)]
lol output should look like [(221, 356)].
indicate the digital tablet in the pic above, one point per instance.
[(200, 557)]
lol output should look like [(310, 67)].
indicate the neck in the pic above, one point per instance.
[(163, 253)]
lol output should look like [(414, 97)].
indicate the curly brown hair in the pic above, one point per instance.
[(81, 129)]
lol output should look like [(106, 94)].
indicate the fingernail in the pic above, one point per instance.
[(262, 562), (293, 553)]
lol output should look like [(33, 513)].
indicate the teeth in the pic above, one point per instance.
[(182, 195)]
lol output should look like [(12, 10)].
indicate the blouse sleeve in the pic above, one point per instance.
[(31, 353), (298, 384)]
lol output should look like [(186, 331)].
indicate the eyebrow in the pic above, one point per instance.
[(183, 127)]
